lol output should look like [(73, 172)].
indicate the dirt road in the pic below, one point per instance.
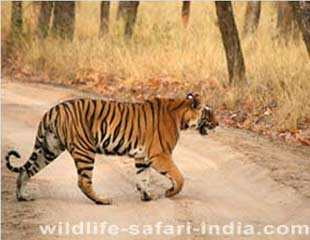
[(230, 175)]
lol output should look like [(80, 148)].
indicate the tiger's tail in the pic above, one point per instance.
[(9, 165)]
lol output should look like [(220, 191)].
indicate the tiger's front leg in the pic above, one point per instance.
[(164, 164), (143, 178)]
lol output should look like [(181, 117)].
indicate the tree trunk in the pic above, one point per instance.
[(120, 10), (186, 7), (230, 38), (104, 17), (286, 23), (64, 19), (17, 18), (132, 12), (252, 16), (302, 15), (128, 11), (44, 18)]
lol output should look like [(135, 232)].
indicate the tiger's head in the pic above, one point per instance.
[(198, 116)]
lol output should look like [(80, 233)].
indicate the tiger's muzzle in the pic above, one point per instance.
[(207, 121)]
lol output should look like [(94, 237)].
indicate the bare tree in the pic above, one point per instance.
[(302, 14), (17, 18), (230, 38), (185, 12), (104, 17), (128, 10), (286, 23), (44, 18), (132, 12), (121, 9), (252, 16), (64, 19)]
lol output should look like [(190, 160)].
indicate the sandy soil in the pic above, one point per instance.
[(231, 175)]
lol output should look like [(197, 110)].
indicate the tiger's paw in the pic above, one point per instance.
[(24, 197), (104, 201), (147, 196), (170, 192)]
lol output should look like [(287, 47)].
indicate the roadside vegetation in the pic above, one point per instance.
[(164, 58)]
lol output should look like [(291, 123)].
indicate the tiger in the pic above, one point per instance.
[(147, 131)]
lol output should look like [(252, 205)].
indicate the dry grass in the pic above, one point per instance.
[(161, 47)]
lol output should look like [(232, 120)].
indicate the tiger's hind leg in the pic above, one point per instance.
[(46, 149), (21, 194), (84, 162)]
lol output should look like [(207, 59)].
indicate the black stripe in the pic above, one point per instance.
[(108, 111), (132, 123), (139, 122), (119, 145), (94, 111), (118, 126), (144, 115), (85, 175), (153, 114), (90, 159), (49, 157), (37, 143), (57, 119), (102, 109), (74, 108), (158, 124), (113, 114), (35, 170), (106, 142), (126, 150), (50, 113), (45, 148), (37, 164), (77, 160), (87, 109), (103, 130), (140, 133), (143, 165), (126, 121), (27, 165), (82, 102), (78, 110), (85, 169), (12, 152), (136, 143), (86, 127), (44, 121), (29, 174), (104, 124), (34, 156), (64, 126), (169, 147)]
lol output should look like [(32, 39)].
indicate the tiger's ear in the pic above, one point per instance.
[(196, 101)]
